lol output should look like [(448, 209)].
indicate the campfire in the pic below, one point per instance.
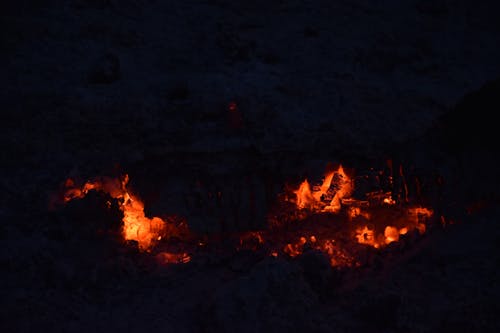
[(337, 219), (137, 227), (341, 216)]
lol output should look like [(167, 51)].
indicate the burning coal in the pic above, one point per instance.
[(327, 196), (328, 217), (376, 220), (136, 226)]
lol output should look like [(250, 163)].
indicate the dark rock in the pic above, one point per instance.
[(179, 92), (234, 47), (273, 296), (105, 70), (471, 123), (96, 216), (310, 32), (317, 271), (381, 311), (433, 8)]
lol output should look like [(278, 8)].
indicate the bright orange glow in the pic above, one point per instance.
[(391, 234), (373, 219), (335, 183), (136, 226), (325, 186), (334, 195), (366, 236), (388, 200), (305, 199)]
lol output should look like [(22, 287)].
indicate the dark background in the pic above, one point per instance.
[(91, 85)]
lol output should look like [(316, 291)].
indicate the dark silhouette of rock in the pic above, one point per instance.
[(472, 123)]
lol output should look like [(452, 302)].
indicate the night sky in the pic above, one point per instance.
[(180, 93)]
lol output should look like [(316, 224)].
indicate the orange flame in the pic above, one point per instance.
[(332, 196), (343, 191), (307, 198), (338, 184), (136, 226)]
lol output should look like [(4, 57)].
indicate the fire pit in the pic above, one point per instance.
[(343, 216)]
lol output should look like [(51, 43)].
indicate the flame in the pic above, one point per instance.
[(376, 221), (305, 198), (333, 195), (136, 226), (313, 199), (343, 191)]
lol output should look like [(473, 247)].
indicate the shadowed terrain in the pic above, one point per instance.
[(227, 94)]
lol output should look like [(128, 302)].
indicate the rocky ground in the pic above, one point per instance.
[(89, 85)]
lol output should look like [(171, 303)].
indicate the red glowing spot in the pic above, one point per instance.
[(235, 119), (233, 107)]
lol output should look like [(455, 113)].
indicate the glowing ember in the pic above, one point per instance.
[(305, 199), (343, 190), (136, 226), (375, 220), (337, 254), (366, 236), (139, 227), (333, 195), (391, 234), (173, 258), (389, 201), (296, 249), (327, 197)]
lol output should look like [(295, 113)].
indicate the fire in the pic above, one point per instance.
[(366, 236), (295, 249), (326, 197), (136, 226), (344, 190), (305, 199), (391, 234), (373, 217), (336, 254)]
